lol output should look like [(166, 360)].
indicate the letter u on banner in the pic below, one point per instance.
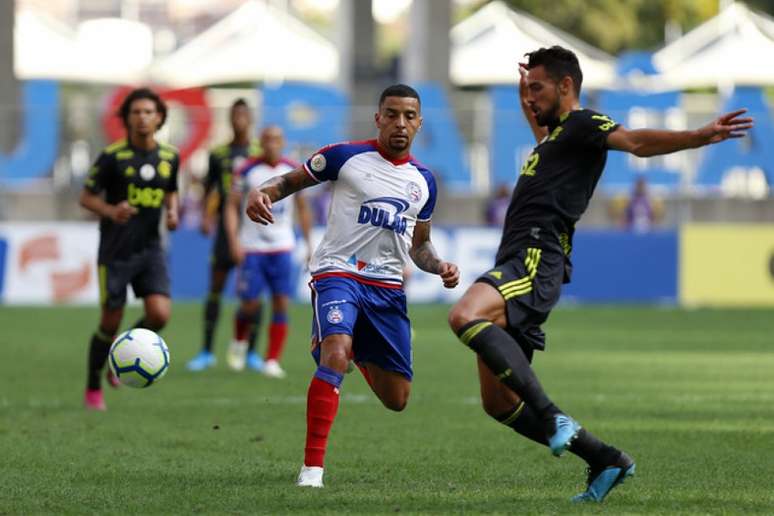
[(35, 151)]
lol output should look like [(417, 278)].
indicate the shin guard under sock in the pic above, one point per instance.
[(242, 323), (253, 330), (278, 333), (505, 358), (99, 347), (211, 316), (322, 403)]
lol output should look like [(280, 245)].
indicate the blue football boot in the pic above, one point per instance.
[(566, 430), (254, 361), (204, 360), (602, 480)]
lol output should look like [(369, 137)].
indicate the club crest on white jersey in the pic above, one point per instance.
[(375, 206)]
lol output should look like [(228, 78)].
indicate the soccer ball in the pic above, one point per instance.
[(138, 357)]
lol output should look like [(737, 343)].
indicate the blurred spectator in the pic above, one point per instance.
[(639, 214), (497, 206), (191, 205), (321, 203)]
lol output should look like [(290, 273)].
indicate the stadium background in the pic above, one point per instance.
[(322, 90), (71, 76), (662, 344)]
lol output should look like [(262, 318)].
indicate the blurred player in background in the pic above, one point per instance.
[(224, 160), (265, 255), (380, 216), (500, 315), (138, 176)]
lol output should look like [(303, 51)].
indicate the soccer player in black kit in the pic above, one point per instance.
[(130, 184), (500, 315), (224, 160)]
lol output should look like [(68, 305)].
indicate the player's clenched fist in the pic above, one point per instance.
[(122, 212), (259, 207), (450, 274), (172, 219)]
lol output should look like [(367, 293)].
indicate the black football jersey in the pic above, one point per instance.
[(555, 184), (224, 161), (141, 177)]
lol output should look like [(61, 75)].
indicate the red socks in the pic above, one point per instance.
[(241, 326), (278, 332), (322, 403)]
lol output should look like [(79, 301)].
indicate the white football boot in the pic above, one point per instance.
[(237, 355), (272, 369), (310, 476)]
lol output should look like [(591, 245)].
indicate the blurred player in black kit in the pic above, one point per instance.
[(224, 161), (500, 315), (130, 184)]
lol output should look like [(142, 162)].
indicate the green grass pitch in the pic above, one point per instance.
[(689, 394)]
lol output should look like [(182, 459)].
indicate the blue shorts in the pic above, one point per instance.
[(375, 317), (261, 270)]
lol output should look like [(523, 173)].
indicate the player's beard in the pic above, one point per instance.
[(549, 117), (399, 144)]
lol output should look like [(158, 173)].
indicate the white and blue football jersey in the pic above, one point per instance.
[(272, 238), (376, 203)]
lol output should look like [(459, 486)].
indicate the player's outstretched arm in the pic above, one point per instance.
[(260, 199), (529, 116), (424, 256), (653, 142)]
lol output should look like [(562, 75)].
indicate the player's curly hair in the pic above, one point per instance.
[(138, 94), (559, 63), (399, 90)]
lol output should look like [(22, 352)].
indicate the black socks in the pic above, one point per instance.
[(99, 347), (211, 315), (524, 421), (505, 358)]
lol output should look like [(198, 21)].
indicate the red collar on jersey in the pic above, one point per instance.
[(383, 154)]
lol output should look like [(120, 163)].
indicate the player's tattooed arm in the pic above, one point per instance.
[(259, 200), (426, 258)]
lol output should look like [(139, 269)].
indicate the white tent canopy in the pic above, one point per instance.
[(487, 47), (255, 42), (43, 47), (734, 47), (107, 50)]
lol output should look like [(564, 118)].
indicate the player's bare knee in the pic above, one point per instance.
[(156, 319), (335, 354), (397, 402), (460, 315), (110, 321), (336, 361)]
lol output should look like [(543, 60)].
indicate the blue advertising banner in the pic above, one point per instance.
[(609, 266)]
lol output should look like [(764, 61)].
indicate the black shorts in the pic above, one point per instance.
[(145, 271), (530, 284), (221, 254)]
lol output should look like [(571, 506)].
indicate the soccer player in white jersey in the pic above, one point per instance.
[(380, 214), (265, 255)]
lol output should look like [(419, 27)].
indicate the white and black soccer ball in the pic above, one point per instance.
[(139, 357)]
